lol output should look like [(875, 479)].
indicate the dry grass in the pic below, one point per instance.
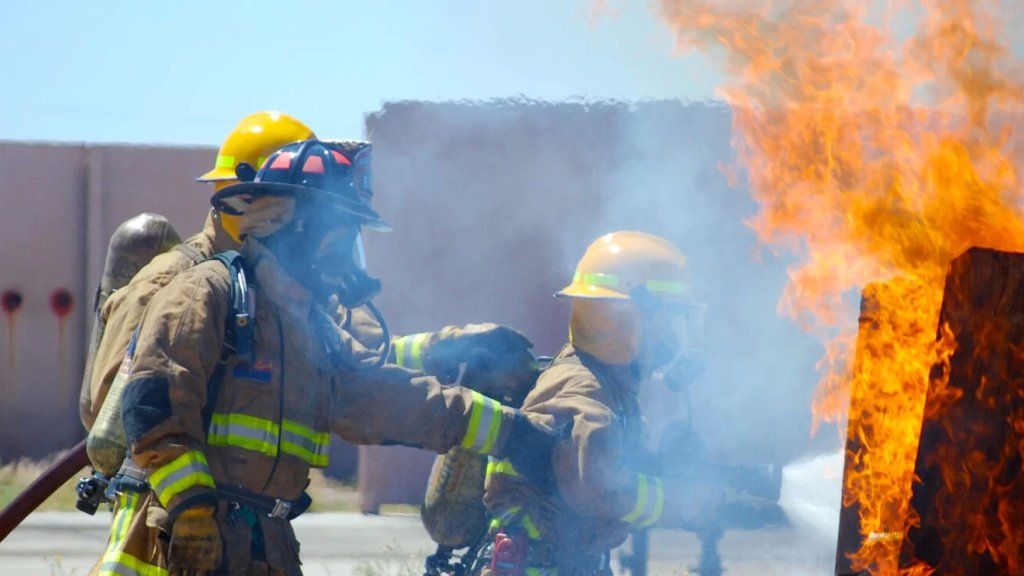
[(334, 496), (328, 495), (331, 495), (396, 562), (17, 475)]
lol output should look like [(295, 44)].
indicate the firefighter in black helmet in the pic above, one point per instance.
[(229, 459)]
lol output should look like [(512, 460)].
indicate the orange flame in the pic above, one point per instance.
[(875, 159)]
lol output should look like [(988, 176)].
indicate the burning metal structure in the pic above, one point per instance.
[(878, 157)]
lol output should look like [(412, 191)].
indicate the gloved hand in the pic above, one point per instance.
[(196, 543), (498, 361), (529, 448)]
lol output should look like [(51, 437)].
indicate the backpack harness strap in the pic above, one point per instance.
[(238, 329)]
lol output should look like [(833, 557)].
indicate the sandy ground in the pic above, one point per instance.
[(65, 543)]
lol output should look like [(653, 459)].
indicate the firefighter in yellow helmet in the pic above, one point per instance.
[(226, 440), (632, 319)]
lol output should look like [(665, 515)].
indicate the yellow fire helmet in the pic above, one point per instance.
[(617, 270), (252, 141)]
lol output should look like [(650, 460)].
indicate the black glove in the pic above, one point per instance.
[(529, 448), (498, 361)]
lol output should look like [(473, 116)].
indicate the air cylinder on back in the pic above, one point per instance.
[(134, 243)]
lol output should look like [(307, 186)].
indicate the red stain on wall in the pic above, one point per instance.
[(61, 303), (10, 303)]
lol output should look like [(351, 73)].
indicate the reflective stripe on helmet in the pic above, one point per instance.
[(225, 161), (666, 287), (264, 437), (186, 471), (650, 501), (484, 424), (612, 281)]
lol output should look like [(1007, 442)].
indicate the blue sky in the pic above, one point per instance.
[(184, 71)]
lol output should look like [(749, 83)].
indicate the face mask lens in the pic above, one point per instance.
[(689, 329), (340, 254), (358, 254), (677, 357)]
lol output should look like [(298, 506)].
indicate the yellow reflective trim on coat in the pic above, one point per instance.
[(123, 564), (264, 436), (659, 504), (184, 472), (484, 424), (409, 351), (416, 351), (531, 529), (641, 500), (495, 466), (244, 431), (126, 503), (508, 516), (400, 351), (306, 443), (225, 162)]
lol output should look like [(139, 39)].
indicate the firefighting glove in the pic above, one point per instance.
[(492, 359), (529, 448), (196, 544)]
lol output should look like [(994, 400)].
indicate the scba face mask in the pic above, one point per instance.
[(341, 265), (672, 350), (323, 251)]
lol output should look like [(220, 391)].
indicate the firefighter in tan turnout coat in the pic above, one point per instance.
[(631, 316), (227, 463)]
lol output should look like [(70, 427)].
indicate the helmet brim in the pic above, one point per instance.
[(364, 215), (218, 175), (580, 290)]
